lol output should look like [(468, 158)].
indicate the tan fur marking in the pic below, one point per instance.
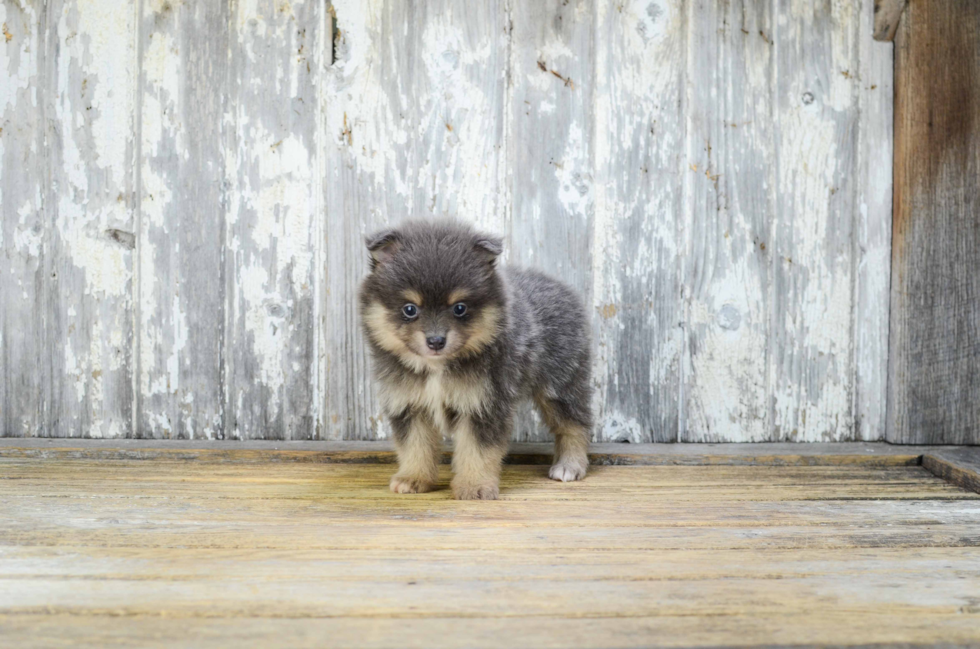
[(418, 458), (458, 296), (381, 330), (476, 468), (485, 328), (413, 296), (571, 444), (547, 412), (383, 333)]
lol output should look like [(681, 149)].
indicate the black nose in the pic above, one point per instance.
[(436, 342)]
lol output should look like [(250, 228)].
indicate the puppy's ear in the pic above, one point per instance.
[(382, 245), (489, 246)]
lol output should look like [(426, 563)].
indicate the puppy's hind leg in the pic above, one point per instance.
[(569, 423), (417, 444)]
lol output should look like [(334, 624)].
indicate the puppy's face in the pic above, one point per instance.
[(433, 293)]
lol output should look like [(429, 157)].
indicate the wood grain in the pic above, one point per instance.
[(679, 556), (935, 303), (638, 134), (186, 188), (819, 627), (87, 269), (270, 341), (730, 172), (887, 14), (871, 244), (960, 466), (23, 195), (182, 210), (810, 252)]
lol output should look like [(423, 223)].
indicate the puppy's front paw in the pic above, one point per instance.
[(408, 485), (567, 470), (471, 491)]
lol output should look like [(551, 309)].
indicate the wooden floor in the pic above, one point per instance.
[(104, 549)]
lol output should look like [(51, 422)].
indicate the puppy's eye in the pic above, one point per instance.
[(459, 309), (410, 310)]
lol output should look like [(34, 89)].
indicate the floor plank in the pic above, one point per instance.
[(115, 552)]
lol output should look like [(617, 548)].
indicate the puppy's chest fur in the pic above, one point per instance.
[(441, 395)]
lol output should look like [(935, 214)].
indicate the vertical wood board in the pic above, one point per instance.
[(639, 156), (811, 375), (934, 391), (22, 200), (270, 377), (730, 176), (183, 207)]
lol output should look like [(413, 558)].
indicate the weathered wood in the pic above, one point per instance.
[(887, 14), (361, 125), (68, 222), (270, 347), (638, 142), (87, 270), (688, 556), (23, 194), (766, 454), (960, 466), (191, 270), (613, 563), (379, 598), (183, 207), (942, 630), (872, 231), (815, 113), (934, 386), (729, 176)]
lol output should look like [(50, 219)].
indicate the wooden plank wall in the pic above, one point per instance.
[(934, 395), (185, 188)]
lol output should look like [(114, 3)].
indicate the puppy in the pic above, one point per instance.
[(457, 343)]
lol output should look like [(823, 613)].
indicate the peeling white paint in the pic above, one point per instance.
[(647, 195), (17, 77), (617, 428), (574, 176), (356, 78), (110, 34), (455, 121), (27, 238)]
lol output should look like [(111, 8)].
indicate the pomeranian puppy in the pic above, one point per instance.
[(457, 343)]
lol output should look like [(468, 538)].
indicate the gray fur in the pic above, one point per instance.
[(541, 349)]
